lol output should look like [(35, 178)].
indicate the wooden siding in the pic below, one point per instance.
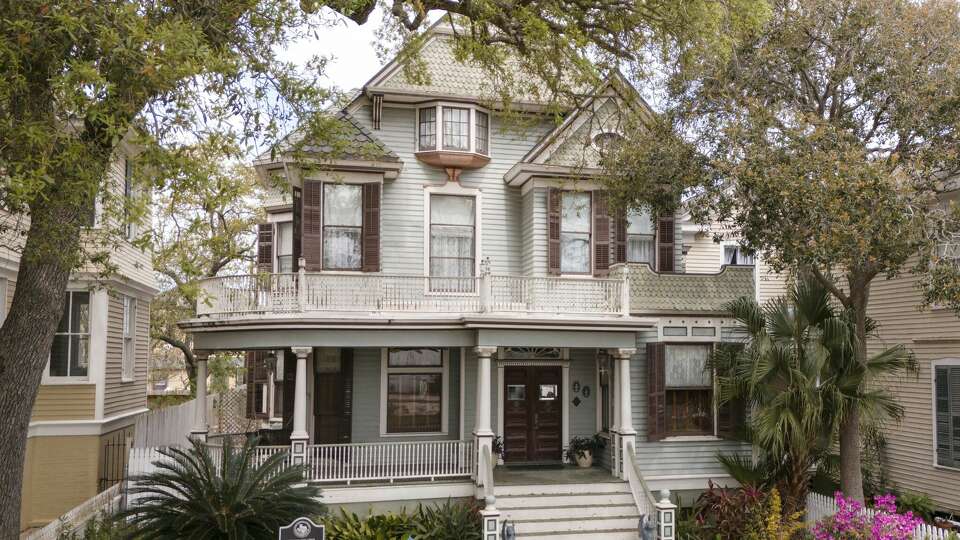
[(931, 335), (120, 396), (65, 402), (59, 473)]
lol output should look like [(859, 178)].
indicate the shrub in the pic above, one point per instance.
[(743, 513), (350, 526), (852, 523), (919, 503), (99, 528), (450, 521)]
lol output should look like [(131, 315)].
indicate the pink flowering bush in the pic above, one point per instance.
[(851, 522)]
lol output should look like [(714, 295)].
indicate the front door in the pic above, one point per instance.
[(532, 414), (333, 395)]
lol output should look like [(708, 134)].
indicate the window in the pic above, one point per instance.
[(640, 237), (733, 254), (482, 143), (128, 194), (575, 220), (452, 242), (285, 247), (129, 353), (342, 226), (947, 435), (428, 128), (456, 128), (414, 384), (689, 390), (70, 353)]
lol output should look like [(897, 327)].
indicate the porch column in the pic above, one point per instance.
[(614, 390), (627, 433), (200, 427), (299, 435), (482, 432)]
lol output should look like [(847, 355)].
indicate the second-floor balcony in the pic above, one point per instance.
[(631, 289)]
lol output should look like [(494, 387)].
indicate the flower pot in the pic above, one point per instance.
[(585, 460)]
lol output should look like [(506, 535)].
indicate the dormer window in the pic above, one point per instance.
[(462, 128)]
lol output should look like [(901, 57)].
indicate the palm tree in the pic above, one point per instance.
[(797, 371), (193, 496)]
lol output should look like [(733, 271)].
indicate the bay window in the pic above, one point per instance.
[(414, 382), (342, 226), (70, 353), (459, 128), (640, 237), (428, 128), (689, 390), (575, 231), (482, 143), (452, 242), (456, 128)]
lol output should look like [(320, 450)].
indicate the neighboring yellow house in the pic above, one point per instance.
[(94, 385)]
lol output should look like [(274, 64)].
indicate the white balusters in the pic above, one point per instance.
[(427, 460)]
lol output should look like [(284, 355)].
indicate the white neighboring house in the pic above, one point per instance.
[(456, 284)]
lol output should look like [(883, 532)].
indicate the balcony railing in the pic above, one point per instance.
[(655, 293), (317, 292)]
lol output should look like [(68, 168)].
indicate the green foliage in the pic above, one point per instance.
[(450, 521), (579, 446), (99, 528), (919, 503), (190, 496), (745, 513)]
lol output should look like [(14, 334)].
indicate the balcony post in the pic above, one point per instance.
[(614, 390), (299, 435), (625, 294), (628, 435), (200, 427), (482, 432), (486, 286), (301, 283)]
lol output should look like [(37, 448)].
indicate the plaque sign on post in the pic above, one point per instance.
[(302, 529)]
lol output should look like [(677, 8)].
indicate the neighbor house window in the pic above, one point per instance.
[(70, 353), (342, 226), (285, 247), (129, 353), (689, 390), (640, 237), (575, 221), (452, 242), (428, 128), (414, 384), (482, 142), (456, 128), (734, 254), (947, 435)]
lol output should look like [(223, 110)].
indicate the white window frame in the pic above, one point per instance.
[(736, 245), (276, 242), (385, 371), (73, 379), (951, 362), (696, 340), (452, 188), (323, 225), (438, 127), (653, 239), (128, 361)]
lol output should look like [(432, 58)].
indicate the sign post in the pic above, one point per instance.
[(302, 529)]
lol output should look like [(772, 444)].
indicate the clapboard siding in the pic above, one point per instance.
[(367, 396), (120, 396), (931, 335), (583, 369), (65, 402)]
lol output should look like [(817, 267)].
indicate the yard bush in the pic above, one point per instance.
[(744, 513), (450, 521), (852, 523)]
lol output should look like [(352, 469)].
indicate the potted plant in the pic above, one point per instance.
[(582, 449), (498, 449)]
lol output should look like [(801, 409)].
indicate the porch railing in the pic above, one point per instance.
[(427, 460), (320, 292)]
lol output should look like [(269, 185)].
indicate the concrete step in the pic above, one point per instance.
[(560, 489), (625, 534), (571, 511), (587, 525), (547, 501)]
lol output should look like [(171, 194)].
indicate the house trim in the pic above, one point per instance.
[(52, 428)]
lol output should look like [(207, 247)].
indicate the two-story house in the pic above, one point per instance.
[(461, 285), (94, 385)]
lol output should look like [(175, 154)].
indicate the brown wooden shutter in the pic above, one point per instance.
[(601, 234), (553, 231), (346, 377), (656, 392), (665, 244), (289, 391), (371, 228), (248, 366), (297, 227), (265, 247), (620, 240), (312, 216)]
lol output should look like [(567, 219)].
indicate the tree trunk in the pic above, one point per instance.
[(50, 252), (851, 474)]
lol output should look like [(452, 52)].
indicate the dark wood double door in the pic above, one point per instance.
[(532, 414)]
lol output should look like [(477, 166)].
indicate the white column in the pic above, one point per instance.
[(627, 433), (615, 421), (482, 432), (200, 428), (299, 435)]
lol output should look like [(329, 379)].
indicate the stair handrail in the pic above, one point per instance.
[(642, 495)]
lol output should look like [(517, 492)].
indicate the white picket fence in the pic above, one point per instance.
[(822, 506), (165, 427), (108, 502)]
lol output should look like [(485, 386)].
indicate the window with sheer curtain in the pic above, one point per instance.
[(575, 220), (733, 254), (285, 247), (428, 128), (452, 242), (482, 139), (689, 390), (456, 128), (342, 226), (640, 237)]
